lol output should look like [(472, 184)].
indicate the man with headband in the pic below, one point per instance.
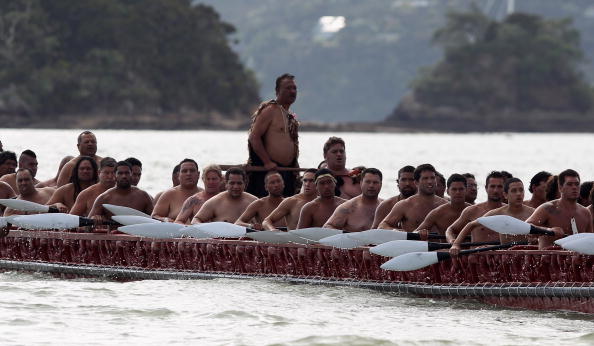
[(318, 211)]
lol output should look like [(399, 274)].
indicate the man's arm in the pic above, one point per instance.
[(429, 220), (64, 177), (339, 218), (205, 214), (305, 216), (148, 203), (458, 225), (97, 212), (383, 209), (283, 209), (455, 249), (395, 216), (161, 209), (187, 211), (246, 218), (261, 125), (80, 205), (57, 200)]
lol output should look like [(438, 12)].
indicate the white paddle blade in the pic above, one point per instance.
[(121, 210), (192, 232), (584, 245), (161, 230), (220, 229), (315, 233), (396, 248), (379, 236), (46, 221), (127, 220), (505, 224), (272, 237), (3, 222), (411, 261), (18, 204), (573, 237), (342, 241)]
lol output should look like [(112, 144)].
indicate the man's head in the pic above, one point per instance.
[(308, 179), (24, 181), (406, 181), (274, 184), (513, 191), (235, 179), (136, 167), (569, 184), (28, 159), (286, 89), (538, 184), (212, 177), (8, 162), (425, 179), (471, 187), (175, 175), (494, 186), (456, 186), (123, 175), (585, 189), (325, 183), (87, 144), (107, 168), (552, 188), (334, 153), (188, 173), (440, 186), (84, 171), (371, 182)]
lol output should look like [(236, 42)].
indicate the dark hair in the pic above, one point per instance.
[(134, 162), (269, 173), (405, 169), (236, 171), (74, 176), (188, 160), (468, 176), (456, 178), (440, 177), (280, 78), (23, 170), (510, 181), (538, 178), (29, 153), (7, 155), (552, 187), (592, 196), (107, 162), (123, 163), (79, 138), (332, 141), (177, 168), (585, 189), (310, 170), (567, 173), (372, 171), (495, 175), (323, 171), (422, 168), (507, 175)]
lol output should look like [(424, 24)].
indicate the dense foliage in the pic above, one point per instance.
[(126, 56)]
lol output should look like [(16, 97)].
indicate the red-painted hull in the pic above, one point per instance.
[(555, 280)]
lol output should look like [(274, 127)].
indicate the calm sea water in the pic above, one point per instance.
[(39, 309)]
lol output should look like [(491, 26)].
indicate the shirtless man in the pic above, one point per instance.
[(557, 214), (514, 191), (136, 170), (53, 181), (123, 194), (8, 163), (87, 146), (229, 205), (6, 192), (28, 160), (407, 188), (84, 175), (273, 138), (494, 187), (585, 188), (290, 208), (27, 191), (335, 156), (170, 203), (258, 210), (471, 188), (212, 178), (440, 218), (538, 189), (174, 181), (356, 214), (440, 187), (84, 201), (410, 213), (318, 211)]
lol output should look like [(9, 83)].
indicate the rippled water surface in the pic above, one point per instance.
[(40, 309)]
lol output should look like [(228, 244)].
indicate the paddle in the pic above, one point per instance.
[(506, 224), (220, 229), (582, 244), (22, 205), (372, 236), (573, 237), (133, 219), (161, 230), (54, 221), (418, 260), (121, 210), (396, 248)]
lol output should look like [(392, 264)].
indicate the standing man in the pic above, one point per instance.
[(170, 203), (28, 160), (87, 146), (258, 210), (27, 191), (84, 201), (318, 211), (356, 214), (273, 140), (407, 188), (538, 189)]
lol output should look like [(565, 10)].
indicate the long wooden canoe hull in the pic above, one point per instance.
[(551, 280)]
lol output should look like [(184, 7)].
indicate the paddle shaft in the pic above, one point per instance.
[(262, 168), (437, 246), (539, 230), (251, 230), (442, 256)]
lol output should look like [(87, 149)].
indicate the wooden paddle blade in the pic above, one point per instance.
[(121, 210), (379, 236), (315, 233), (342, 241), (127, 220), (162, 230), (505, 224), (220, 229), (411, 261), (22, 205), (573, 237), (46, 221), (396, 248)]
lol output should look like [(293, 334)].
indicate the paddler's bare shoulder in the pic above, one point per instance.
[(267, 116)]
